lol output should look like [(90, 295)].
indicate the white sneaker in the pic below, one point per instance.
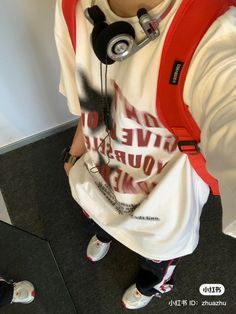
[(23, 292), (133, 299), (96, 249)]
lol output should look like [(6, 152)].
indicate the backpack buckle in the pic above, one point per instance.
[(189, 147)]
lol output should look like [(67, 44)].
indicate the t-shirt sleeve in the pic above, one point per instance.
[(67, 86), (219, 138), (211, 92)]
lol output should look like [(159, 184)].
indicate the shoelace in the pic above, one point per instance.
[(100, 243), (138, 294)]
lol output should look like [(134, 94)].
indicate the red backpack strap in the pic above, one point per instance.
[(189, 25), (69, 12)]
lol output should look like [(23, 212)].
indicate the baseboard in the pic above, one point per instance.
[(38, 136)]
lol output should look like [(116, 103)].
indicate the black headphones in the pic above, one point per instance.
[(116, 42)]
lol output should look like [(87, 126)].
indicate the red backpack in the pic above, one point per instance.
[(192, 20)]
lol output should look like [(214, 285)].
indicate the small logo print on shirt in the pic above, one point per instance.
[(176, 71), (148, 218)]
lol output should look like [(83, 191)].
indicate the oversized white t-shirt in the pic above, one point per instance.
[(135, 183)]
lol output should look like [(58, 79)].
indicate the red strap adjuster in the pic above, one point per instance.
[(189, 147)]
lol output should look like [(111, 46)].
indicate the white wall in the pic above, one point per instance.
[(29, 71)]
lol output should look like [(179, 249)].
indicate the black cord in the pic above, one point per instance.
[(106, 95), (108, 161), (107, 113)]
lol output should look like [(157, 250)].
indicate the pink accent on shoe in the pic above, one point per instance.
[(89, 258), (123, 303), (163, 288), (85, 214), (33, 293)]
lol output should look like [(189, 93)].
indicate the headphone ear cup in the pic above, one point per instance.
[(97, 29), (103, 33)]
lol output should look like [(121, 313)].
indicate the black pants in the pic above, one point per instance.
[(6, 293), (154, 277)]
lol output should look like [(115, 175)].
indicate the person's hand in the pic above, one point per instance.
[(67, 167)]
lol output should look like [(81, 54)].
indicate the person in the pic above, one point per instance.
[(129, 176), (16, 292)]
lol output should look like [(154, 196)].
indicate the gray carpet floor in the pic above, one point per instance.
[(25, 255), (37, 196)]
